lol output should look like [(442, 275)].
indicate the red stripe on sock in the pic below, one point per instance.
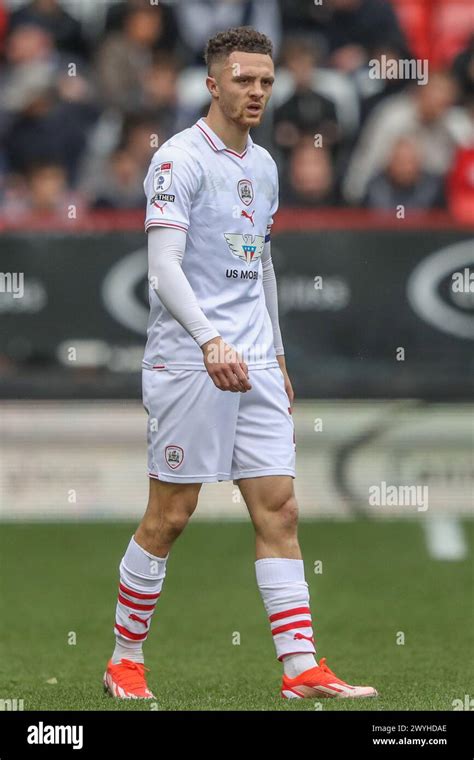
[(289, 613), (129, 634), (134, 605), (288, 654), (135, 594), (290, 626)]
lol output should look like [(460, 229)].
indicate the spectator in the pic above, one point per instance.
[(348, 29), (117, 13), (403, 182), (30, 43), (48, 189), (141, 138), (77, 88), (373, 91), (310, 179), (30, 55), (306, 111), (463, 70), (44, 128), (201, 19), (19, 85), (41, 190), (301, 17), (125, 56), (160, 95), (51, 16), (121, 185), (106, 136), (139, 135), (425, 112), (355, 27)]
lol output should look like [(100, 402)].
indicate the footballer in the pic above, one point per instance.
[(215, 385)]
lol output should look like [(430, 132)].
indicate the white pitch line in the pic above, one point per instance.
[(445, 538)]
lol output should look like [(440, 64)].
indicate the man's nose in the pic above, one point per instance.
[(256, 90)]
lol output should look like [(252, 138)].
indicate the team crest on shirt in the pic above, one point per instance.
[(246, 247), (174, 456), (162, 177), (245, 189)]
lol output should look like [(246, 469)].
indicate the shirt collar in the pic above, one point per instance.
[(216, 143)]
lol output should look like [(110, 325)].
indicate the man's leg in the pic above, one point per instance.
[(143, 567), (142, 573), (170, 505), (280, 576), (279, 568)]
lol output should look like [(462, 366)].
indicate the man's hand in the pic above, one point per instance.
[(225, 367), (288, 385)]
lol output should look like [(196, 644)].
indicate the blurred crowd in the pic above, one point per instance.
[(88, 90)]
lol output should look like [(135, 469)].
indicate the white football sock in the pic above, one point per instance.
[(141, 580), (286, 598), (294, 664)]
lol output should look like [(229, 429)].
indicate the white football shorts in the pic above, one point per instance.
[(200, 434)]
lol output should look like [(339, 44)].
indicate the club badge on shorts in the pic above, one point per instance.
[(162, 177), (245, 190), (174, 456)]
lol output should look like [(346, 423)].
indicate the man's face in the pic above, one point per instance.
[(242, 85)]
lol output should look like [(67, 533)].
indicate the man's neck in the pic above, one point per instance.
[(233, 136)]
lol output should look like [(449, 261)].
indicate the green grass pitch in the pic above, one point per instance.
[(377, 581)]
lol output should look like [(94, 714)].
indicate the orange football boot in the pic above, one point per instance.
[(126, 680), (320, 682)]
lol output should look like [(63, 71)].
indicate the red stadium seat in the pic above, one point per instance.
[(452, 26), (436, 29), (3, 25), (460, 186), (414, 18)]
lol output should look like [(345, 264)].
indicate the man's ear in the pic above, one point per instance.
[(212, 86)]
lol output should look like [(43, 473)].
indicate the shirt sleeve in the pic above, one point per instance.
[(165, 274), (275, 203), (170, 185), (271, 297)]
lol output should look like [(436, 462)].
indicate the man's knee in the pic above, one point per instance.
[(169, 509), (280, 513), (175, 520), (288, 512)]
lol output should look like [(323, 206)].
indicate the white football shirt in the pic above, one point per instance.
[(225, 202)]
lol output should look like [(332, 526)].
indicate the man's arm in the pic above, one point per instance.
[(166, 248), (271, 296), (271, 299)]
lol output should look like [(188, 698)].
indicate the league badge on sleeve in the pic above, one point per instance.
[(162, 177), (245, 189)]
